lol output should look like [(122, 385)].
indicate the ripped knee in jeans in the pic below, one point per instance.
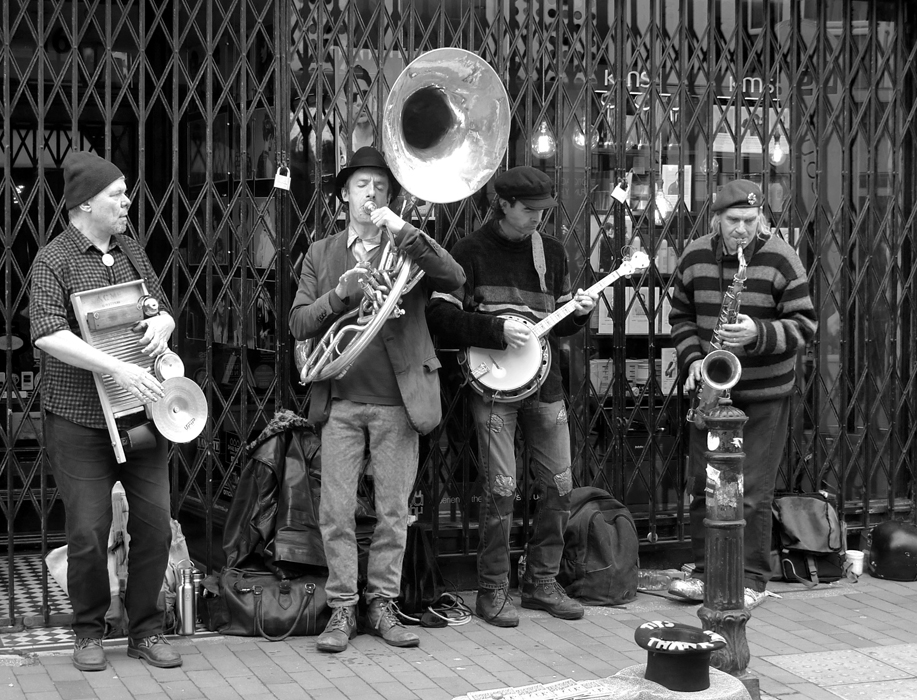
[(504, 486), (564, 481)]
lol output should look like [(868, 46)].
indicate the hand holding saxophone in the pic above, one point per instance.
[(739, 333), (695, 374)]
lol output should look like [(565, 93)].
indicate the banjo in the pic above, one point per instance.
[(515, 373)]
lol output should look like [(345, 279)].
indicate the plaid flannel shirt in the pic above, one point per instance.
[(71, 263)]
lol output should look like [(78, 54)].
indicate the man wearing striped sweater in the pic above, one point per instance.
[(776, 321)]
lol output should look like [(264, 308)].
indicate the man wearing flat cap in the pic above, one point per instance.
[(94, 252), (511, 268), (387, 398), (776, 322)]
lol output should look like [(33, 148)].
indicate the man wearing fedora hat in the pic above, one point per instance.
[(776, 322), (387, 398), (512, 269), (93, 252)]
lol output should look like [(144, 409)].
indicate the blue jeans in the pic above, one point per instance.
[(85, 470), (545, 430), (764, 438), (394, 453)]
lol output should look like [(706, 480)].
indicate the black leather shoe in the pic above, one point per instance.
[(155, 650), (495, 607), (88, 655), (341, 628), (552, 598), (383, 622)]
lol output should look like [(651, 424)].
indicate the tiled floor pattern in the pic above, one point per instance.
[(27, 580)]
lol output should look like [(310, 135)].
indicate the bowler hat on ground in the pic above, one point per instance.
[(678, 655), (738, 194), (366, 157), (85, 175), (528, 185)]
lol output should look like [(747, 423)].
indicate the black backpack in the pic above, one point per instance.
[(600, 560)]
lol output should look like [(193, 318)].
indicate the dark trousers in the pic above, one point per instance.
[(85, 470), (764, 440)]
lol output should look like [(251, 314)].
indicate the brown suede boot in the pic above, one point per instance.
[(495, 607), (155, 650), (88, 655), (383, 622), (552, 598), (341, 628)]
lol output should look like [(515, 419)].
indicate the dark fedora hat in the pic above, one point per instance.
[(678, 655), (366, 157)]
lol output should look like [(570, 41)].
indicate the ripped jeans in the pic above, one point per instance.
[(545, 430)]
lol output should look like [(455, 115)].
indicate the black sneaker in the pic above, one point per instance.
[(552, 598)]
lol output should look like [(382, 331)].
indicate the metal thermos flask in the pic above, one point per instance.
[(187, 603)]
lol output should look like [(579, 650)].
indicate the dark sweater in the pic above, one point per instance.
[(776, 297), (500, 279)]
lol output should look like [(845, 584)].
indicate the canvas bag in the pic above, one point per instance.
[(810, 538), (600, 559)]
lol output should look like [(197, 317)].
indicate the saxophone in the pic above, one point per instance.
[(720, 369)]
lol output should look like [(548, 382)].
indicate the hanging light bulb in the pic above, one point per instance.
[(777, 152), (711, 166), (579, 138), (543, 143)]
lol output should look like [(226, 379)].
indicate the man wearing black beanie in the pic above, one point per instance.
[(91, 253)]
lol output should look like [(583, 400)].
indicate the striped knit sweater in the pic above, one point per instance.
[(776, 297), (501, 278)]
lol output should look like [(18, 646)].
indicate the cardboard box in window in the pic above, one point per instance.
[(637, 322), (601, 373), (667, 370), (664, 304), (606, 322)]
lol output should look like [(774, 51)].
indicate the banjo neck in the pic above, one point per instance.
[(541, 329)]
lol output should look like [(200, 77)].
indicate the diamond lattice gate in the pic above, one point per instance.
[(202, 103)]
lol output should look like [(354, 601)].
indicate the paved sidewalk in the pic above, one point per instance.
[(845, 640)]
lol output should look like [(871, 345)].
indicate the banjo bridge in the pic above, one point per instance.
[(480, 370)]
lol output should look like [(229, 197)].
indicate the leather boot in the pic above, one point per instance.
[(495, 607), (341, 628), (155, 650), (88, 655), (383, 622), (552, 598)]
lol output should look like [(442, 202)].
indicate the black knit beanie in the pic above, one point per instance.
[(85, 175)]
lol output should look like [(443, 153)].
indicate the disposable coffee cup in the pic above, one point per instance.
[(855, 559)]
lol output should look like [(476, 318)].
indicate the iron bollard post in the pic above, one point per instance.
[(724, 610)]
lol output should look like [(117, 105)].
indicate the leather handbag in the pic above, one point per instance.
[(811, 542), (260, 604)]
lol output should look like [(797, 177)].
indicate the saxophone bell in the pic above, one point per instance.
[(720, 371)]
